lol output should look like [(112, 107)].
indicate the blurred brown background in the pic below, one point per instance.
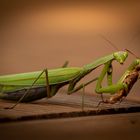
[(39, 34)]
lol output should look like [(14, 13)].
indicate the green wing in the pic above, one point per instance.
[(24, 80)]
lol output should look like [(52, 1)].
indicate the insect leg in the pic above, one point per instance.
[(109, 81), (47, 83), (52, 90), (72, 88), (65, 64), (111, 88), (83, 97), (109, 74)]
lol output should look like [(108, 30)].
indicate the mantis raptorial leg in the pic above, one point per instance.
[(123, 86)]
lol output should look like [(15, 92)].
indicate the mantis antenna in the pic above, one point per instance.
[(136, 35), (116, 48), (112, 44), (132, 53)]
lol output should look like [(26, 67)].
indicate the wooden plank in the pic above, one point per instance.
[(104, 127), (61, 106)]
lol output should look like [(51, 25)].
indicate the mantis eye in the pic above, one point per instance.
[(121, 56)]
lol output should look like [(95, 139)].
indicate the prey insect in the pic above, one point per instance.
[(26, 87)]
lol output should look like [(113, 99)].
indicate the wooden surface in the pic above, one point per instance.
[(61, 118), (103, 127), (63, 106)]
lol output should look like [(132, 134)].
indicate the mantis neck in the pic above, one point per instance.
[(98, 62)]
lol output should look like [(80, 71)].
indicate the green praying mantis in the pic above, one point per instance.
[(26, 87)]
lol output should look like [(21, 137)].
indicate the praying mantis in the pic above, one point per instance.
[(26, 87)]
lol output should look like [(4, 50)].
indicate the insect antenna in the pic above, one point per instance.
[(132, 53), (112, 44), (135, 36), (115, 47)]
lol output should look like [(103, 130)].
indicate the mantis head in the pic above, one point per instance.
[(120, 56)]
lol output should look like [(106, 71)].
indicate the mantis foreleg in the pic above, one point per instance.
[(124, 85), (109, 75), (111, 88)]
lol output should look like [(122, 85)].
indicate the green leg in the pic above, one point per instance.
[(72, 89), (52, 90), (47, 84), (101, 77), (107, 69), (83, 97), (109, 78), (109, 75), (111, 88)]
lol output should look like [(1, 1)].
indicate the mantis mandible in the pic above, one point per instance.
[(26, 87)]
